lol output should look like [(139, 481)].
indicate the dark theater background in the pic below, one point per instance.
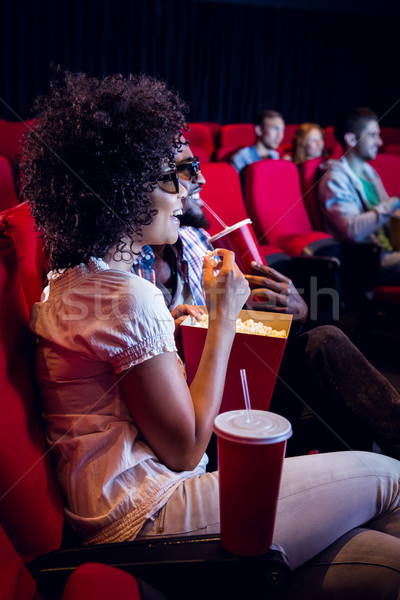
[(308, 59)]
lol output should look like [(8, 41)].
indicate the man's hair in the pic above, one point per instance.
[(353, 121), (266, 114), (94, 157)]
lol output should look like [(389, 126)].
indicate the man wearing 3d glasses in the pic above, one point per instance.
[(314, 376)]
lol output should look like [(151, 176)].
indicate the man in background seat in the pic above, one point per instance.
[(353, 201), (269, 128)]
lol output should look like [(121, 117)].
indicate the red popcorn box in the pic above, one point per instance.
[(259, 355)]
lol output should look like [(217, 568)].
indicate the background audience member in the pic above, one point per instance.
[(353, 201), (269, 128), (308, 142)]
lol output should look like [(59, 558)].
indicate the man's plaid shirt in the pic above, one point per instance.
[(190, 249)]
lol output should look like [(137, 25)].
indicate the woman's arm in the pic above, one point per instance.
[(177, 422)]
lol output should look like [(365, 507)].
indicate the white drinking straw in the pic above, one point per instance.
[(246, 394), (214, 214)]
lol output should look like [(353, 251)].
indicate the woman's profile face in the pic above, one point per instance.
[(165, 224), (314, 144)]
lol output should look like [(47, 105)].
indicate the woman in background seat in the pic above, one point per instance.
[(308, 142)]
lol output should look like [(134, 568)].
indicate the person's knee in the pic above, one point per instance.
[(327, 334), (328, 340), (362, 565)]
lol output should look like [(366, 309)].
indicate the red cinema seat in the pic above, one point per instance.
[(201, 154), (8, 196), (275, 204), (200, 136), (11, 134), (18, 230), (215, 131), (233, 137), (214, 127), (31, 506), (287, 142), (237, 135), (225, 153), (223, 194), (388, 168), (392, 149), (16, 583), (308, 171), (90, 580), (31, 503), (332, 147), (389, 135), (290, 130)]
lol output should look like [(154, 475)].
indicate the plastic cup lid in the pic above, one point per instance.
[(263, 428), (229, 229)]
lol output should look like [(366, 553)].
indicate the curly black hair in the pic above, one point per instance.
[(95, 154)]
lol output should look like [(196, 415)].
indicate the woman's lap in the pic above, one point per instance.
[(322, 498)]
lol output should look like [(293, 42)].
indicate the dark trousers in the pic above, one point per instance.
[(334, 398)]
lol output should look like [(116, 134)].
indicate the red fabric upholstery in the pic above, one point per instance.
[(223, 193), (31, 506), (215, 129), (388, 167), (296, 246), (332, 147), (392, 149), (17, 226), (102, 582), (11, 133), (290, 130), (90, 580), (200, 135), (387, 293), (16, 582), (237, 135), (308, 182), (8, 196), (329, 139), (224, 153), (274, 203), (200, 153), (390, 135)]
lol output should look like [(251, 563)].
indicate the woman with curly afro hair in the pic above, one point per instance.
[(101, 181), (128, 434)]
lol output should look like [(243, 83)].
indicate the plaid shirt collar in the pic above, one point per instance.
[(189, 251)]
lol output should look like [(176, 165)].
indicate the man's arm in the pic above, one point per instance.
[(241, 159), (344, 214)]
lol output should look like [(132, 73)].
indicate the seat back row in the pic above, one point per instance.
[(211, 141)]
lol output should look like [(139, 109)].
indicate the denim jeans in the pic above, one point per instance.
[(338, 520)]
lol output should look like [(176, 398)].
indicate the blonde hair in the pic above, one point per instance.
[(300, 140)]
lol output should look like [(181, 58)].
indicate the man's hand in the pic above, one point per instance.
[(275, 293), (179, 314)]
